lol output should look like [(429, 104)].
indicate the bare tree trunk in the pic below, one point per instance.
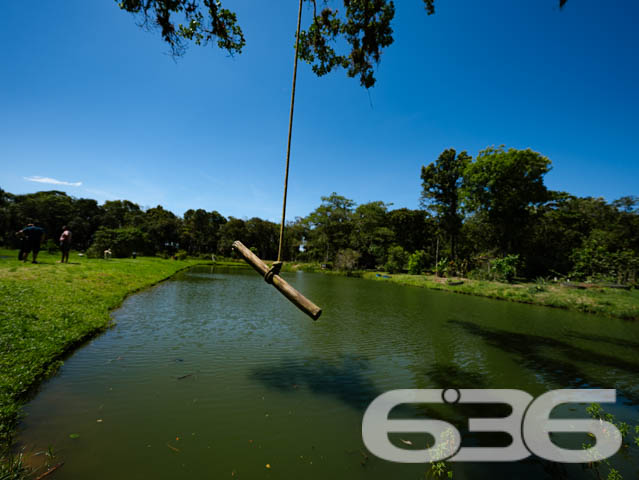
[(437, 257)]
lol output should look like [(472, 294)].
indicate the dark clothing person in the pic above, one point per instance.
[(23, 245), (33, 237), (65, 244)]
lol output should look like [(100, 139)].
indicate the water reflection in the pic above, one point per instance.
[(559, 361), (347, 381)]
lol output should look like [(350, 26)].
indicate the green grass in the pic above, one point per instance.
[(599, 300), (49, 308), (604, 301)]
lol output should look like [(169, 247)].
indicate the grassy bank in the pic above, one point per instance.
[(600, 300), (594, 299), (48, 308)]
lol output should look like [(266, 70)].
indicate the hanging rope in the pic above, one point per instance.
[(272, 275), (290, 131)]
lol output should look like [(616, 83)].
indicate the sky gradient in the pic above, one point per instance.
[(91, 100)]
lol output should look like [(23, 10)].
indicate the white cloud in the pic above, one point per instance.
[(52, 181)]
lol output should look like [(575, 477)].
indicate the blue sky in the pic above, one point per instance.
[(88, 97)]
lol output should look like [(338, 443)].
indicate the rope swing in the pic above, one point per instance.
[(272, 275)]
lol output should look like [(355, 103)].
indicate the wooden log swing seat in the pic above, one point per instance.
[(271, 275)]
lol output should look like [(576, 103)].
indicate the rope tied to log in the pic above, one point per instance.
[(274, 270), (299, 300)]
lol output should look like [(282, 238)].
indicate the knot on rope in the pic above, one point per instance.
[(274, 270)]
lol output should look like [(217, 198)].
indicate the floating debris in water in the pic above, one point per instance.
[(50, 471)]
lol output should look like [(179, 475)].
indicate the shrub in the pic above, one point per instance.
[(347, 259), (182, 255), (505, 268), (397, 259), (597, 259), (595, 265), (479, 274), (442, 267), (418, 262), (540, 286), (593, 260)]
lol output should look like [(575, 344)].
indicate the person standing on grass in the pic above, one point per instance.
[(23, 245), (65, 244), (34, 235)]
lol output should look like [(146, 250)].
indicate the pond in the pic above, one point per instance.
[(215, 375)]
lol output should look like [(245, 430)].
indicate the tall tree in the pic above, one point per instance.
[(296, 231), (50, 209), (628, 221), (330, 226), (233, 229), (371, 235), (122, 213), (162, 228), (414, 229), (6, 220), (508, 186), (85, 220), (264, 236), (441, 192), (201, 231)]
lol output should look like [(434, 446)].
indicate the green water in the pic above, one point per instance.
[(215, 375)]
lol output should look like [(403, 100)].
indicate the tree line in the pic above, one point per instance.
[(496, 212), (491, 216), (125, 227)]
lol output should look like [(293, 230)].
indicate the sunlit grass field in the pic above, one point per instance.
[(604, 301)]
